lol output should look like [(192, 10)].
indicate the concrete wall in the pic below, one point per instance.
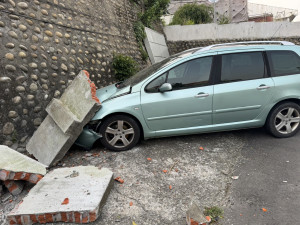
[(156, 45), (43, 46), (247, 30)]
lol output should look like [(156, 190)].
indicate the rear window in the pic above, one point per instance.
[(284, 63), (242, 66)]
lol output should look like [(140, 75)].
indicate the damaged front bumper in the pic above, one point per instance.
[(87, 138)]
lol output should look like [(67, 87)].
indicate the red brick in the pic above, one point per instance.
[(49, 218), (33, 218), (193, 222), (64, 217), (93, 216), (77, 216), (18, 219), (39, 177), (12, 220), (18, 176), (27, 176), (14, 187), (41, 218)]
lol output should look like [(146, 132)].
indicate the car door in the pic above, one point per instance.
[(187, 105), (243, 88)]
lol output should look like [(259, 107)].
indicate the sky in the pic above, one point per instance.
[(293, 4)]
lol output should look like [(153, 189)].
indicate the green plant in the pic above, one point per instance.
[(143, 53), (123, 66), (223, 20), (188, 22), (197, 14), (215, 213), (139, 30), (154, 9)]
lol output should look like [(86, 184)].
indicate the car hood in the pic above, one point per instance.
[(110, 92)]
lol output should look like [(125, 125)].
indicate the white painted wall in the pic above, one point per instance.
[(156, 46), (246, 30)]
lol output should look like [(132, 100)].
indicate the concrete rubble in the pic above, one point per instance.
[(66, 118), (194, 216), (65, 195), (16, 168)]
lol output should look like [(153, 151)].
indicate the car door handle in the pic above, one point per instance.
[(263, 87), (201, 95)]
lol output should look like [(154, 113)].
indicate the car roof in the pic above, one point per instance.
[(280, 45)]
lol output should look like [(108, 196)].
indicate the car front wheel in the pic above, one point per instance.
[(119, 133), (284, 120)]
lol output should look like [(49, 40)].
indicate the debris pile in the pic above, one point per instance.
[(65, 121), (195, 216), (73, 195), (16, 169)]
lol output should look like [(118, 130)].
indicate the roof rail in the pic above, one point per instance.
[(245, 43)]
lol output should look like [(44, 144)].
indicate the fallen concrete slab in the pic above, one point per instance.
[(16, 166), (65, 195), (65, 121)]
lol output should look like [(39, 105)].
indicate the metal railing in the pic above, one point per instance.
[(246, 43)]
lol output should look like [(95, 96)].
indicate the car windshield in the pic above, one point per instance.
[(138, 77)]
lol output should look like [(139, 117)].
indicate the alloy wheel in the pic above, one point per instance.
[(287, 120), (119, 134)]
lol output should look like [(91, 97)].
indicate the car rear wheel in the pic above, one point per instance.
[(284, 120), (119, 133)]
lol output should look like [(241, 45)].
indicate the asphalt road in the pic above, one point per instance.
[(269, 177), (268, 170)]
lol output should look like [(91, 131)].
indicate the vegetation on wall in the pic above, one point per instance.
[(152, 10), (193, 14), (123, 66), (223, 20)]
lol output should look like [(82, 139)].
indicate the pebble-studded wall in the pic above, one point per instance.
[(45, 43), (179, 46)]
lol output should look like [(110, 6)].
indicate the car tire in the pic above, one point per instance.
[(284, 120), (119, 133)]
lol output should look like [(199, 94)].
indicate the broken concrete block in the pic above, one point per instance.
[(65, 121), (65, 195), (194, 216), (16, 166), (14, 187)]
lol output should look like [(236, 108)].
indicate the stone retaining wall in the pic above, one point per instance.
[(179, 46), (45, 43)]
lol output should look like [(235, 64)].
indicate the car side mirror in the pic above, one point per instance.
[(165, 87)]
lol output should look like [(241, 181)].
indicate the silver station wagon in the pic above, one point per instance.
[(216, 88)]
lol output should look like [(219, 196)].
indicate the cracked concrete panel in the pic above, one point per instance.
[(74, 194), (66, 118), (13, 161)]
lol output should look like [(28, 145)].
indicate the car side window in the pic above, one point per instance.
[(156, 83), (194, 73), (284, 63), (242, 66)]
